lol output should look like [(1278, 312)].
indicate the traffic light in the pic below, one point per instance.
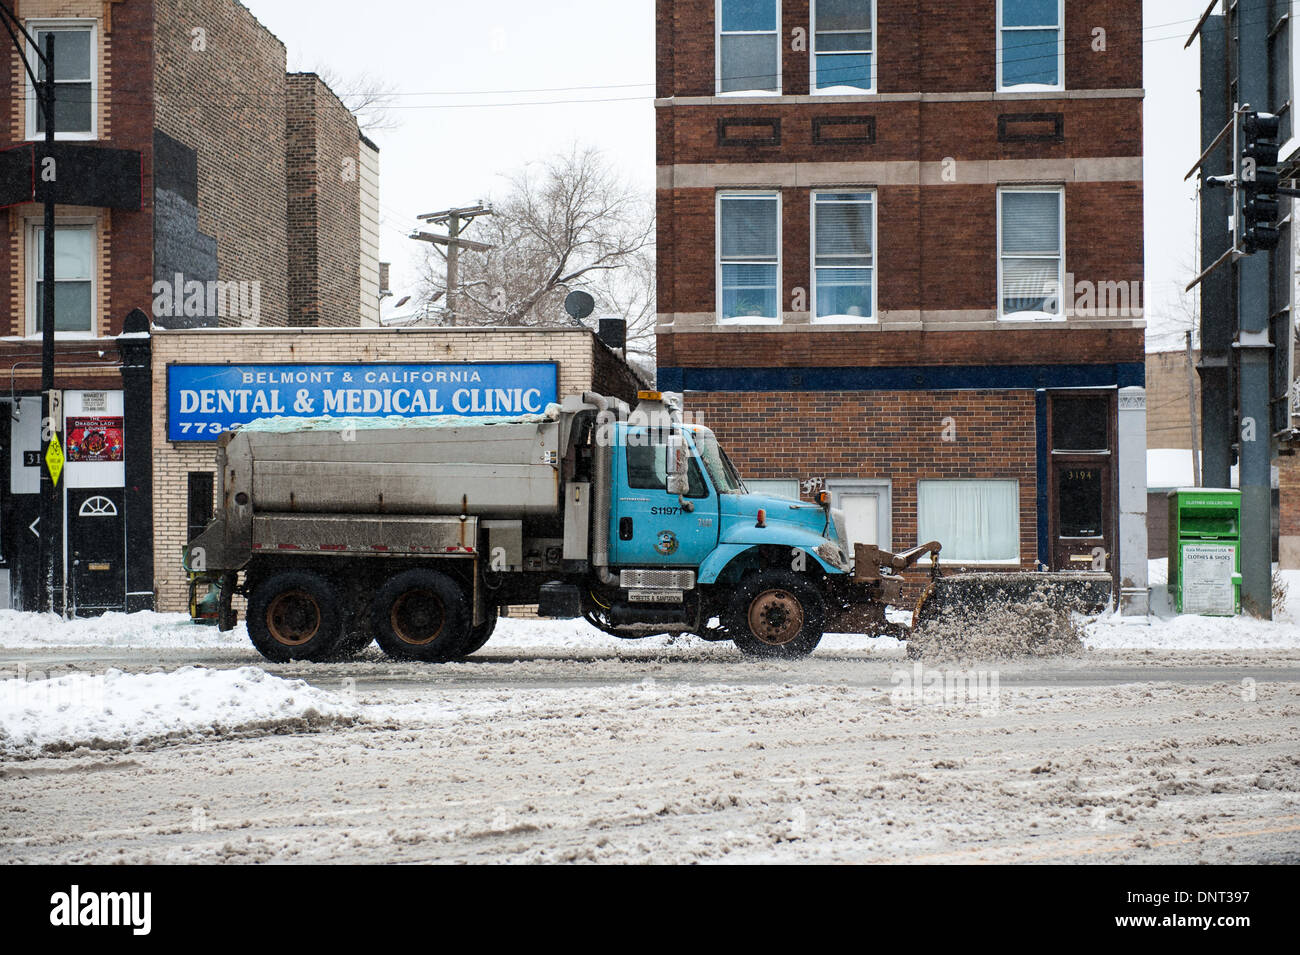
[(1258, 177)]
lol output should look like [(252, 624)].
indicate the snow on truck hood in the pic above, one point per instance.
[(284, 425)]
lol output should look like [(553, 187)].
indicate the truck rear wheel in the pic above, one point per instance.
[(776, 614), (479, 636), (422, 615), (294, 616)]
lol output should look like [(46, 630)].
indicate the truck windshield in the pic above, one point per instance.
[(724, 474)]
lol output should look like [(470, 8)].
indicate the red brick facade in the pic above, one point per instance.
[(934, 142), (903, 438)]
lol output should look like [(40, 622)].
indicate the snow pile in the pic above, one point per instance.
[(1186, 632), (114, 710), (136, 631), (1164, 630), (1032, 628)]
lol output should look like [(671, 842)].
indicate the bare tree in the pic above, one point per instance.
[(365, 96), (567, 222)]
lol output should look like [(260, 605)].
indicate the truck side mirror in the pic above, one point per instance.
[(679, 463), (679, 471)]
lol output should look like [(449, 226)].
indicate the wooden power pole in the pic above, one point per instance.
[(456, 220)]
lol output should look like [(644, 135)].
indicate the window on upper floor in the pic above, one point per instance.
[(74, 279), (843, 58), (75, 80), (1031, 45), (1031, 252), (749, 257), (749, 46), (844, 245)]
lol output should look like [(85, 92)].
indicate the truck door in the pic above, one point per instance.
[(649, 527)]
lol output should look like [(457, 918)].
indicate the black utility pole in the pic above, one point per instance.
[(1254, 350), (51, 525)]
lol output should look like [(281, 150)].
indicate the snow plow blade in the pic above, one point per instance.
[(1032, 610)]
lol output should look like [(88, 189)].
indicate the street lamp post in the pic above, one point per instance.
[(50, 527)]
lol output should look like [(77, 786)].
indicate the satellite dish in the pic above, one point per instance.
[(579, 305)]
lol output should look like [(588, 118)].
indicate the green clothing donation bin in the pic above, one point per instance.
[(1205, 551)]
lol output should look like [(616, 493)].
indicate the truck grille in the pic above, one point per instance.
[(657, 579)]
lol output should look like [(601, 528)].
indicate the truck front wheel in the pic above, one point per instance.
[(422, 615), (294, 616), (776, 614)]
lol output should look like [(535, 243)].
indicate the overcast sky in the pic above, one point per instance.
[(586, 69)]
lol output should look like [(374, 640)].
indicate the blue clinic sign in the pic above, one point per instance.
[(203, 401)]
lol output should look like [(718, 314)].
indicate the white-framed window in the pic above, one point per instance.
[(1031, 252), (844, 46), (1031, 45), (76, 79), (844, 256), (74, 278), (749, 46), (749, 257), (774, 487), (975, 521)]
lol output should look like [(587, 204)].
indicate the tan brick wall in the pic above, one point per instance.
[(1289, 502), (1168, 415), (582, 361)]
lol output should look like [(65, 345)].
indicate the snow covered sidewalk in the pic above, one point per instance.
[(115, 709)]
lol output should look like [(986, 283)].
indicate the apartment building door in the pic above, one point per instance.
[(96, 550), (1081, 480)]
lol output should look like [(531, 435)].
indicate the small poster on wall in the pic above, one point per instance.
[(94, 439)]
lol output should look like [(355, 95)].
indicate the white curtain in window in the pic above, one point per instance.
[(973, 520)]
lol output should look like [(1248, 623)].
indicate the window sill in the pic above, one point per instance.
[(1031, 88), (732, 93), (37, 338), (1032, 318), (35, 137), (748, 320), (845, 320), (842, 91)]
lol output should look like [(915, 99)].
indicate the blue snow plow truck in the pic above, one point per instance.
[(415, 534)]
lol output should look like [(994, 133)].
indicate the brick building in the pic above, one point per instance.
[(900, 256), (198, 183)]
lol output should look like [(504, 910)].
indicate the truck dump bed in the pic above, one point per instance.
[(423, 466)]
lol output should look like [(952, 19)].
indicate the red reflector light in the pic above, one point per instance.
[(762, 518)]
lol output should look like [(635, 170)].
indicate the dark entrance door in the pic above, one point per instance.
[(96, 551), (1081, 475)]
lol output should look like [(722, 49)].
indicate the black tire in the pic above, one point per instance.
[(776, 615), (295, 616), (358, 633), (422, 615), (479, 636)]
